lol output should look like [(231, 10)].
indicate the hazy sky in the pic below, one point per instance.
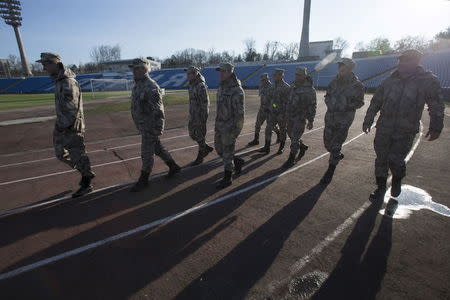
[(162, 27)]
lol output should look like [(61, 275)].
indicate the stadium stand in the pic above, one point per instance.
[(437, 62), (30, 85), (6, 82)]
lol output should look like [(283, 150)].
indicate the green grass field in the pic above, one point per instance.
[(11, 101)]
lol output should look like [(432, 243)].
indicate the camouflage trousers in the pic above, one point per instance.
[(391, 150), (225, 143), (150, 146), (261, 117), (272, 121), (70, 149), (335, 133), (197, 129), (295, 130)]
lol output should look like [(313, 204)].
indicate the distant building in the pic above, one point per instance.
[(320, 49), (121, 66)]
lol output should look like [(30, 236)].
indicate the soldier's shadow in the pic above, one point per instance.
[(360, 272), (148, 255)]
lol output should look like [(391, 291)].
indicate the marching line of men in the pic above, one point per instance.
[(287, 110)]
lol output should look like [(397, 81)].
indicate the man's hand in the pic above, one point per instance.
[(310, 125), (366, 128), (432, 135)]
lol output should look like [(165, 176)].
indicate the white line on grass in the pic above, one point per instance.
[(153, 224)]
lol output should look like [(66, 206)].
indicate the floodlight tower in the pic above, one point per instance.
[(304, 42), (10, 12)]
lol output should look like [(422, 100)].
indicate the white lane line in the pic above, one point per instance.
[(301, 263), (104, 141), (26, 121), (32, 206), (153, 224), (96, 151), (115, 162)]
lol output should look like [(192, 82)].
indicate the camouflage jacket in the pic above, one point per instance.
[(302, 102), (280, 97), (264, 95), (401, 102), (344, 95), (198, 99), (68, 102), (230, 107), (147, 108)]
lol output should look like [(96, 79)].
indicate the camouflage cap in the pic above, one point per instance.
[(348, 62), (411, 54), (192, 69), (278, 71), (139, 62), (264, 75), (301, 71), (226, 67), (49, 57)]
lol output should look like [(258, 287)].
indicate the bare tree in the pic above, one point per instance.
[(340, 43), (105, 53), (411, 42), (270, 50), (250, 53)]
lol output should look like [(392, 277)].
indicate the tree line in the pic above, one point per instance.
[(273, 52)]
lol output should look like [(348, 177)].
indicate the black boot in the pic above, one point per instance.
[(226, 181), (280, 150), (85, 186), (381, 188), (142, 182), (255, 140), (266, 148), (278, 136), (238, 163), (290, 162), (199, 158), (396, 188), (302, 151), (328, 174), (173, 168)]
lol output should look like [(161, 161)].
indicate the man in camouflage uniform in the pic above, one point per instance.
[(264, 109), (147, 110), (345, 94), (68, 135), (400, 99), (198, 112), (229, 121), (301, 108), (279, 99)]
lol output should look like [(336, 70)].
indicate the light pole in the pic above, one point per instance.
[(10, 12), (304, 42)]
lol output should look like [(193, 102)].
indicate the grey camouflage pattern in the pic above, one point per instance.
[(198, 109), (68, 135), (301, 107), (343, 98), (229, 119), (280, 94), (400, 102)]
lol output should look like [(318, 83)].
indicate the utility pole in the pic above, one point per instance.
[(10, 12), (304, 42)]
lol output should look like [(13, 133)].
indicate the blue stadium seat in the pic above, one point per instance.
[(5, 82), (30, 85)]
